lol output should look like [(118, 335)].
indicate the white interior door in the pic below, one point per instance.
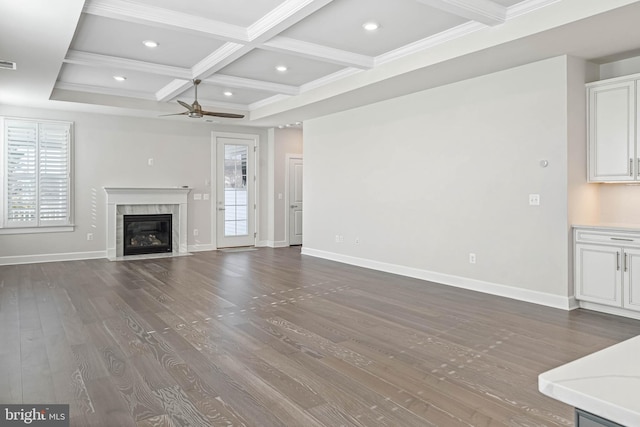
[(235, 181), (295, 201)]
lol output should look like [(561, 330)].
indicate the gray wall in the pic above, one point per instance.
[(423, 180), (112, 151)]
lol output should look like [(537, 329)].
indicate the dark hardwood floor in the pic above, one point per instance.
[(273, 338)]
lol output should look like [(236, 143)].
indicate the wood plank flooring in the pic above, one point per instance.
[(273, 338)]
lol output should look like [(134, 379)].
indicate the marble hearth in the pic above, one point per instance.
[(130, 201)]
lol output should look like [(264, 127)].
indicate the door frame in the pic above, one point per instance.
[(213, 183), (288, 158)]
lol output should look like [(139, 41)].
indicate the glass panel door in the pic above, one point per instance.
[(235, 191)]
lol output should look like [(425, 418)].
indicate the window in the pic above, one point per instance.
[(36, 175)]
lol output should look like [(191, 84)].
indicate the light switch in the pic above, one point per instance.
[(279, 196), (205, 196), (197, 196)]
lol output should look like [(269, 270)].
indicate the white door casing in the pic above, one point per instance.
[(234, 175), (295, 205)]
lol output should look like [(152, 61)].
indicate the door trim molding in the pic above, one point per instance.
[(288, 158), (213, 184)]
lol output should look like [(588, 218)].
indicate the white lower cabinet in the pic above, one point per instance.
[(607, 268)]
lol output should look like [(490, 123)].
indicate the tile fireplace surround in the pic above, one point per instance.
[(129, 200)]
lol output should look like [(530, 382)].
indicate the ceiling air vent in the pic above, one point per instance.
[(7, 65)]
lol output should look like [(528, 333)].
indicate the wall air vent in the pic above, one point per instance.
[(7, 65)]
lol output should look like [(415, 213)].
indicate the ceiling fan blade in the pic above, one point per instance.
[(185, 105), (225, 115), (175, 114)]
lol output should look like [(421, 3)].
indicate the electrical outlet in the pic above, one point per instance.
[(89, 236), (357, 240), (472, 258), (534, 200), (337, 238), (150, 161), (195, 231)]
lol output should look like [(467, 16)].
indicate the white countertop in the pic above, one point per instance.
[(605, 383), (610, 226)]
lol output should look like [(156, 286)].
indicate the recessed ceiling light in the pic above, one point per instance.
[(281, 68), (280, 126), (119, 78), (227, 93), (150, 43), (370, 26)]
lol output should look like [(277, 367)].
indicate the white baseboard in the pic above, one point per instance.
[(201, 248), (71, 256), (541, 298), (274, 244), (618, 311)]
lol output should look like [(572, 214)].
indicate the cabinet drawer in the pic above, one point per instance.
[(609, 238)]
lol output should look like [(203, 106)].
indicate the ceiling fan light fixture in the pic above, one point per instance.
[(119, 78), (150, 43), (371, 26)]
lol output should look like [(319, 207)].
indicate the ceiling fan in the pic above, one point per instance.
[(195, 110)]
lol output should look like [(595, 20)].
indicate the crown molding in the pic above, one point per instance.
[(104, 91), (484, 11), (319, 52), (429, 42), (243, 83), (143, 14), (338, 75), (527, 6), (96, 60), (267, 101)]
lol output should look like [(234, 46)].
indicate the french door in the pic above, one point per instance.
[(235, 192)]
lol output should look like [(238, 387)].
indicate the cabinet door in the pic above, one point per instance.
[(612, 154), (631, 265), (598, 274)]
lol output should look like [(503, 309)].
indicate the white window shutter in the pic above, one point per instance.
[(37, 173), (53, 191), (22, 175)]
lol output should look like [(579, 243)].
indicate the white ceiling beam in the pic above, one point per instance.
[(164, 18), (282, 17), (484, 11), (127, 93), (173, 89), (96, 60), (242, 83), (318, 52)]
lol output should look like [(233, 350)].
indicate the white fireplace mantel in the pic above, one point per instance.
[(155, 196)]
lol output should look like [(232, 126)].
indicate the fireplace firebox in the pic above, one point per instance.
[(147, 234)]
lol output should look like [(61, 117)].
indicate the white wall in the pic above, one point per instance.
[(112, 151), (425, 179)]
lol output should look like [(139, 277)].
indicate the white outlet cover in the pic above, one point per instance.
[(534, 199)]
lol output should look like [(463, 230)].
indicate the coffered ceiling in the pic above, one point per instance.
[(69, 51)]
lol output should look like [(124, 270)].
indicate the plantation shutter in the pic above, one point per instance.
[(53, 191), (37, 173)]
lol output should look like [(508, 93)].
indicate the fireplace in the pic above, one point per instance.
[(147, 234)]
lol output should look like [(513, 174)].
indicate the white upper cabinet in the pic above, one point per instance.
[(613, 155)]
